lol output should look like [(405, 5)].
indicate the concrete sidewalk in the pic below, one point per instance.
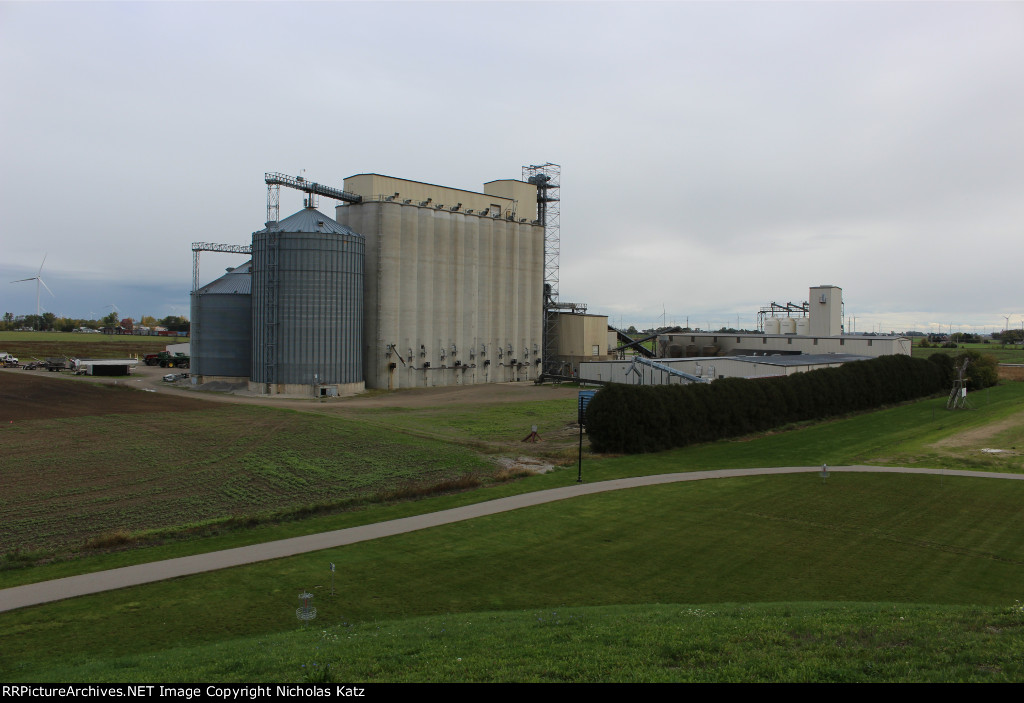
[(84, 584)]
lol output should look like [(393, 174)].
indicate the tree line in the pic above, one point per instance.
[(50, 322), (627, 419)]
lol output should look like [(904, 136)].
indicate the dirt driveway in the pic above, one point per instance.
[(151, 378)]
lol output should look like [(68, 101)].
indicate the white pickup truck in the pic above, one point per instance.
[(8, 359)]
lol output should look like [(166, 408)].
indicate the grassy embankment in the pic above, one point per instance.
[(802, 642), (894, 541), (885, 539)]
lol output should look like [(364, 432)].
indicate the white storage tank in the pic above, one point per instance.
[(788, 325), (771, 325), (803, 325)]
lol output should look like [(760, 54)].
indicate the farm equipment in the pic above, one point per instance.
[(55, 364), (170, 361)]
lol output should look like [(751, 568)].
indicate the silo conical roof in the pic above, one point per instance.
[(311, 220), (238, 280)]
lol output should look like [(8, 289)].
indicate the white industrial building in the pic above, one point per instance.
[(680, 344), (816, 329), (810, 338), (640, 371)]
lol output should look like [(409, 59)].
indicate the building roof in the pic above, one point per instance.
[(235, 281), (800, 359), (749, 335), (781, 359), (109, 362), (311, 220), (431, 185)]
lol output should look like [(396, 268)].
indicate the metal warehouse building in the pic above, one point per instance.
[(706, 369)]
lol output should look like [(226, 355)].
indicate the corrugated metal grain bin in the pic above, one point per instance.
[(307, 303), (222, 325)]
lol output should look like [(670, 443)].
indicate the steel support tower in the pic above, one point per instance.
[(548, 179), (209, 246), (274, 182)]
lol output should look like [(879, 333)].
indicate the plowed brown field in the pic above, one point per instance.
[(87, 465), (35, 395)]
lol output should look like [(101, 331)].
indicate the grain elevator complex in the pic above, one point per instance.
[(410, 284)]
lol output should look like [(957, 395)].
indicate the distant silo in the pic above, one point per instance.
[(222, 326), (307, 307)]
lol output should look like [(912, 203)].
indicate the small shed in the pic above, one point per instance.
[(104, 367)]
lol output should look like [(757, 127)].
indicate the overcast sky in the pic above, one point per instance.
[(715, 156)]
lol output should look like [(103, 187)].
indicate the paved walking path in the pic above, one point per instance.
[(58, 589)]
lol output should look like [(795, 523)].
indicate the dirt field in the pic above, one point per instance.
[(1011, 373), (484, 393), (39, 395), (151, 378), (988, 434), (88, 462), (27, 350)]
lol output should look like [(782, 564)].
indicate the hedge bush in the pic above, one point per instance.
[(634, 419)]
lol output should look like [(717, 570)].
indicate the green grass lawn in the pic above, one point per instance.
[(857, 538), (1004, 354), (946, 551), (488, 428), (803, 642)]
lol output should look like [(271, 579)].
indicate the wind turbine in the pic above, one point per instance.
[(38, 279)]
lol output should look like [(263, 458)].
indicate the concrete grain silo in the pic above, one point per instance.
[(307, 307), (454, 284)]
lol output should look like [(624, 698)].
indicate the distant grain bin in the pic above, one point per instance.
[(222, 325), (307, 304)]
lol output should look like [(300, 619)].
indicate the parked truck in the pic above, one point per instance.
[(56, 364)]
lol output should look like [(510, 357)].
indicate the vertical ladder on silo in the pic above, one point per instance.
[(271, 302)]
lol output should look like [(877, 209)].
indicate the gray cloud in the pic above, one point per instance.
[(715, 155)]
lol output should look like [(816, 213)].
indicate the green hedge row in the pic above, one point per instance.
[(634, 419)]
